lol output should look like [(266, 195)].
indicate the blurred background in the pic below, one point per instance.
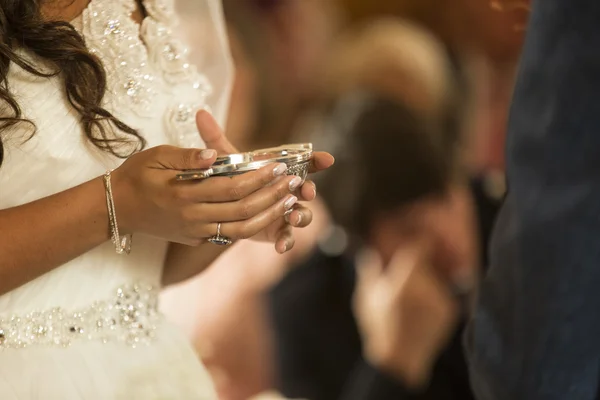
[(414, 91)]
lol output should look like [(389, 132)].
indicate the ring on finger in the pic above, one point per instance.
[(219, 239)]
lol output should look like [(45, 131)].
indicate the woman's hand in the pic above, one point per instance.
[(405, 312), (280, 231), (149, 200)]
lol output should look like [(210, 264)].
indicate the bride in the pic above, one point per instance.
[(86, 84)]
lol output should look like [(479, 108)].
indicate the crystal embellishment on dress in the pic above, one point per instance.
[(111, 34), (113, 27), (130, 317), (132, 87), (180, 121), (184, 113), (134, 57), (168, 54)]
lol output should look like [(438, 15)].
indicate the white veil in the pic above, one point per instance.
[(202, 28)]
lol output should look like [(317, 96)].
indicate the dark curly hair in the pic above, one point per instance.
[(57, 43)]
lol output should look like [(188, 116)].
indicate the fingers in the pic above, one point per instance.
[(427, 293), (285, 240), (247, 229), (308, 191), (394, 275), (369, 269), (251, 205), (414, 280), (404, 264), (320, 161), (212, 134), (170, 157), (300, 217), (228, 189)]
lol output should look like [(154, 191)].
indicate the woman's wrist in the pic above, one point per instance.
[(122, 198)]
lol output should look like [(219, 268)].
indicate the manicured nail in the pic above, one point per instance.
[(280, 169), (299, 219), (314, 192), (285, 246), (295, 183), (289, 203), (207, 154)]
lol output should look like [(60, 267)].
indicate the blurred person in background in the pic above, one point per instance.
[(419, 219), (279, 64), (484, 39), (409, 73)]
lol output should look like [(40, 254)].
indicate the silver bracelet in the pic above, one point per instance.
[(122, 244)]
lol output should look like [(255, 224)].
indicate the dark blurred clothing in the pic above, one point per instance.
[(536, 329), (318, 344)]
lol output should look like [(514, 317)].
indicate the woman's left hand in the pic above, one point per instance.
[(279, 232)]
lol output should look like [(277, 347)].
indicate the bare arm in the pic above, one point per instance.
[(42, 235)]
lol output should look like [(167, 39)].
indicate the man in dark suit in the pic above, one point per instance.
[(535, 333)]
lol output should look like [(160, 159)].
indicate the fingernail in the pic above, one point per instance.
[(285, 246), (207, 154), (295, 183), (289, 203), (299, 219), (280, 169), (314, 192)]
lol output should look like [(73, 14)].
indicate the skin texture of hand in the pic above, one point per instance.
[(405, 313), (279, 232), (151, 201)]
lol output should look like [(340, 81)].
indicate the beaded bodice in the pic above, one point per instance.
[(146, 61)]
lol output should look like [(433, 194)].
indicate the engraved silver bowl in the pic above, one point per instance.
[(297, 157)]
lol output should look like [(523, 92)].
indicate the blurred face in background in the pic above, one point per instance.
[(447, 224)]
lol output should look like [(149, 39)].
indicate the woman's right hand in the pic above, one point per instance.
[(149, 200)]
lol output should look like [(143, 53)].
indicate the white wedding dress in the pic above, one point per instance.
[(91, 328)]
